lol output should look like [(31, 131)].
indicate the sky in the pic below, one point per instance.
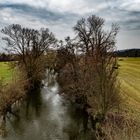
[(61, 15)]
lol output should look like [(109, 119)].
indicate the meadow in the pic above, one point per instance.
[(5, 71), (129, 75)]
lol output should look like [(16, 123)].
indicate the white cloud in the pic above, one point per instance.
[(131, 5), (128, 39)]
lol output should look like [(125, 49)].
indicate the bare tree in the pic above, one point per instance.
[(30, 45), (98, 46), (89, 74)]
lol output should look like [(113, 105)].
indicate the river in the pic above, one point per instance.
[(46, 115)]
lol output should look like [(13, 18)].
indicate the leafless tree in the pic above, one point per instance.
[(98, 45), (30, 45), (90, 76)]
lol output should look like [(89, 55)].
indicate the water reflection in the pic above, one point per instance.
[(47, 116), (33, 103)]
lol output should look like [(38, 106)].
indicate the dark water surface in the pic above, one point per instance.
[(47, 116)]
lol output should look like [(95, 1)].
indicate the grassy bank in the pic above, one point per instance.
[(129, 75), (5, 71)]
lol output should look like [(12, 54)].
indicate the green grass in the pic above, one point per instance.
[(129, 75), (5, 71)]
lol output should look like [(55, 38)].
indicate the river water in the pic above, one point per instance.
[(46, 116)]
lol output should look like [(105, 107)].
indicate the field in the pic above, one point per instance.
[(5, 71), (129, 75)]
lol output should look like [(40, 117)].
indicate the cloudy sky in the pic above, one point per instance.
[(61, 15)]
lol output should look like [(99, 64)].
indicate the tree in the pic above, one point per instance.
[(98, 46), (30, 45), (91, 77)]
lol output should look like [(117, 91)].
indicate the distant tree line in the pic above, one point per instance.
[(6, 57), (128, 53)]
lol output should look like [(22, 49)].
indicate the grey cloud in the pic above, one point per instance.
[(60, 18), (38, 12), (60, 23)]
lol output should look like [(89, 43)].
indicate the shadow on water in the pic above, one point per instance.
[(33, 103), (45, 115)]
